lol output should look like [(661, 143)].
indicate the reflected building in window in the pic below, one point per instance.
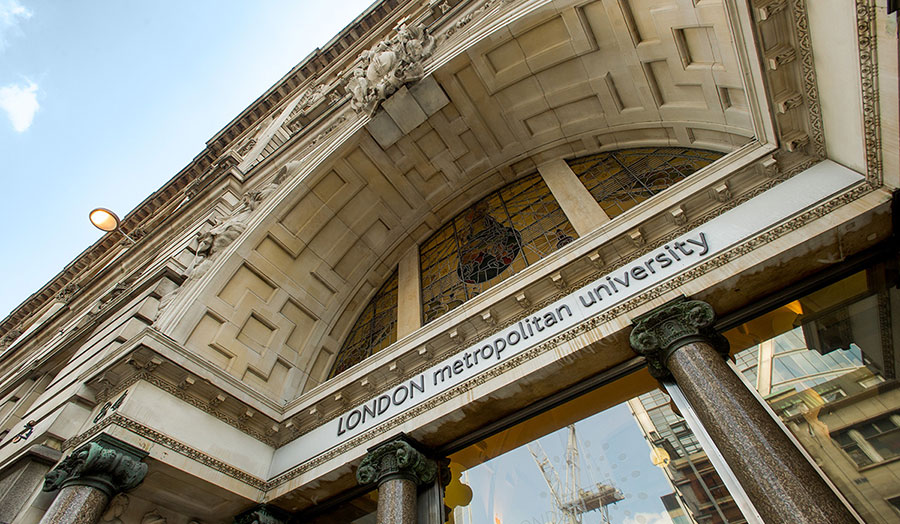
[(699, 495), (825, 364)]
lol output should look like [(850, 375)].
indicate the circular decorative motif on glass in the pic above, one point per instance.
[(488, 248)]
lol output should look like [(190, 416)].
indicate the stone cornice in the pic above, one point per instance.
[(205, 164)]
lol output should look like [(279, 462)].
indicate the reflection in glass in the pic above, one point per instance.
[(636, 462), (826, 365)]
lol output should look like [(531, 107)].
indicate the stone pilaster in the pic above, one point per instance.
[(398, 469), (409, 293), (678, 341), (580, 207), (90, 477)]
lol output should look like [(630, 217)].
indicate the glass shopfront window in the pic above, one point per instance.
[(618, 454), (826, 364)]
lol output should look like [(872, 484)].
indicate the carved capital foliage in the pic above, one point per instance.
[(660, 332), (106, 464), (262, 514), (396, 459)]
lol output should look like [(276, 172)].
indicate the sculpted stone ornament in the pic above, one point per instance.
[(396, 459), (115, 510), (105, 464), (391, 64), (227, 229), (262, 514), (11, 337), (660, 332)]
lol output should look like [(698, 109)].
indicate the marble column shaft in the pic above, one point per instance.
[(779, 480), (76, 505), (397, 501), (678, 341), (398, 469)]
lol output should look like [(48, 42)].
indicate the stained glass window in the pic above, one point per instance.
[(493, 239), (619, 180), (375, 329)]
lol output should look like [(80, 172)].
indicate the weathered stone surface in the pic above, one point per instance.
[(104, 464), (396, 459), (661, 331)]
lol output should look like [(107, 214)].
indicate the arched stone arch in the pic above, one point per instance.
[(361, 192)]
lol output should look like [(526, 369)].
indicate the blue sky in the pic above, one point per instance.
[(103, 101), (510, 489)]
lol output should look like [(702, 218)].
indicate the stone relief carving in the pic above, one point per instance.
[(246, 146), (308, 102), (466, 19), (153, 517), (225, 230), (310, 99), (112, 294), (389, 65), (252, 139), (65, 294), (11, 336), (117, 507)]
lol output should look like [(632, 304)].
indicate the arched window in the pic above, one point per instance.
[(619, 180), (374, 330), (495, 238), (510, 229)]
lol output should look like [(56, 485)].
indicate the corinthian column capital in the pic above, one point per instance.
[(106, 464), (396, 459), (660, 332), (263, 514)]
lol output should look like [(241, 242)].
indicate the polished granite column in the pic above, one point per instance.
[(398, 469), (678, 343), (89, 477)]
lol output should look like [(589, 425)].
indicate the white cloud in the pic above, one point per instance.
[(20, 103), (649, 518), (11, 13)]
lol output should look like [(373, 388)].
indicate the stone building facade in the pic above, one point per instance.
[(386, 288)]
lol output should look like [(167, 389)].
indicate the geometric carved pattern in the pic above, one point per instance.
[(565, 83)]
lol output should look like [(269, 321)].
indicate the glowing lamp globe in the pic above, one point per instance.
[(104, 219), (659, 457)]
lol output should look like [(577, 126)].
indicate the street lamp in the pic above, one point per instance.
[(659, 457), (105, 220)]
